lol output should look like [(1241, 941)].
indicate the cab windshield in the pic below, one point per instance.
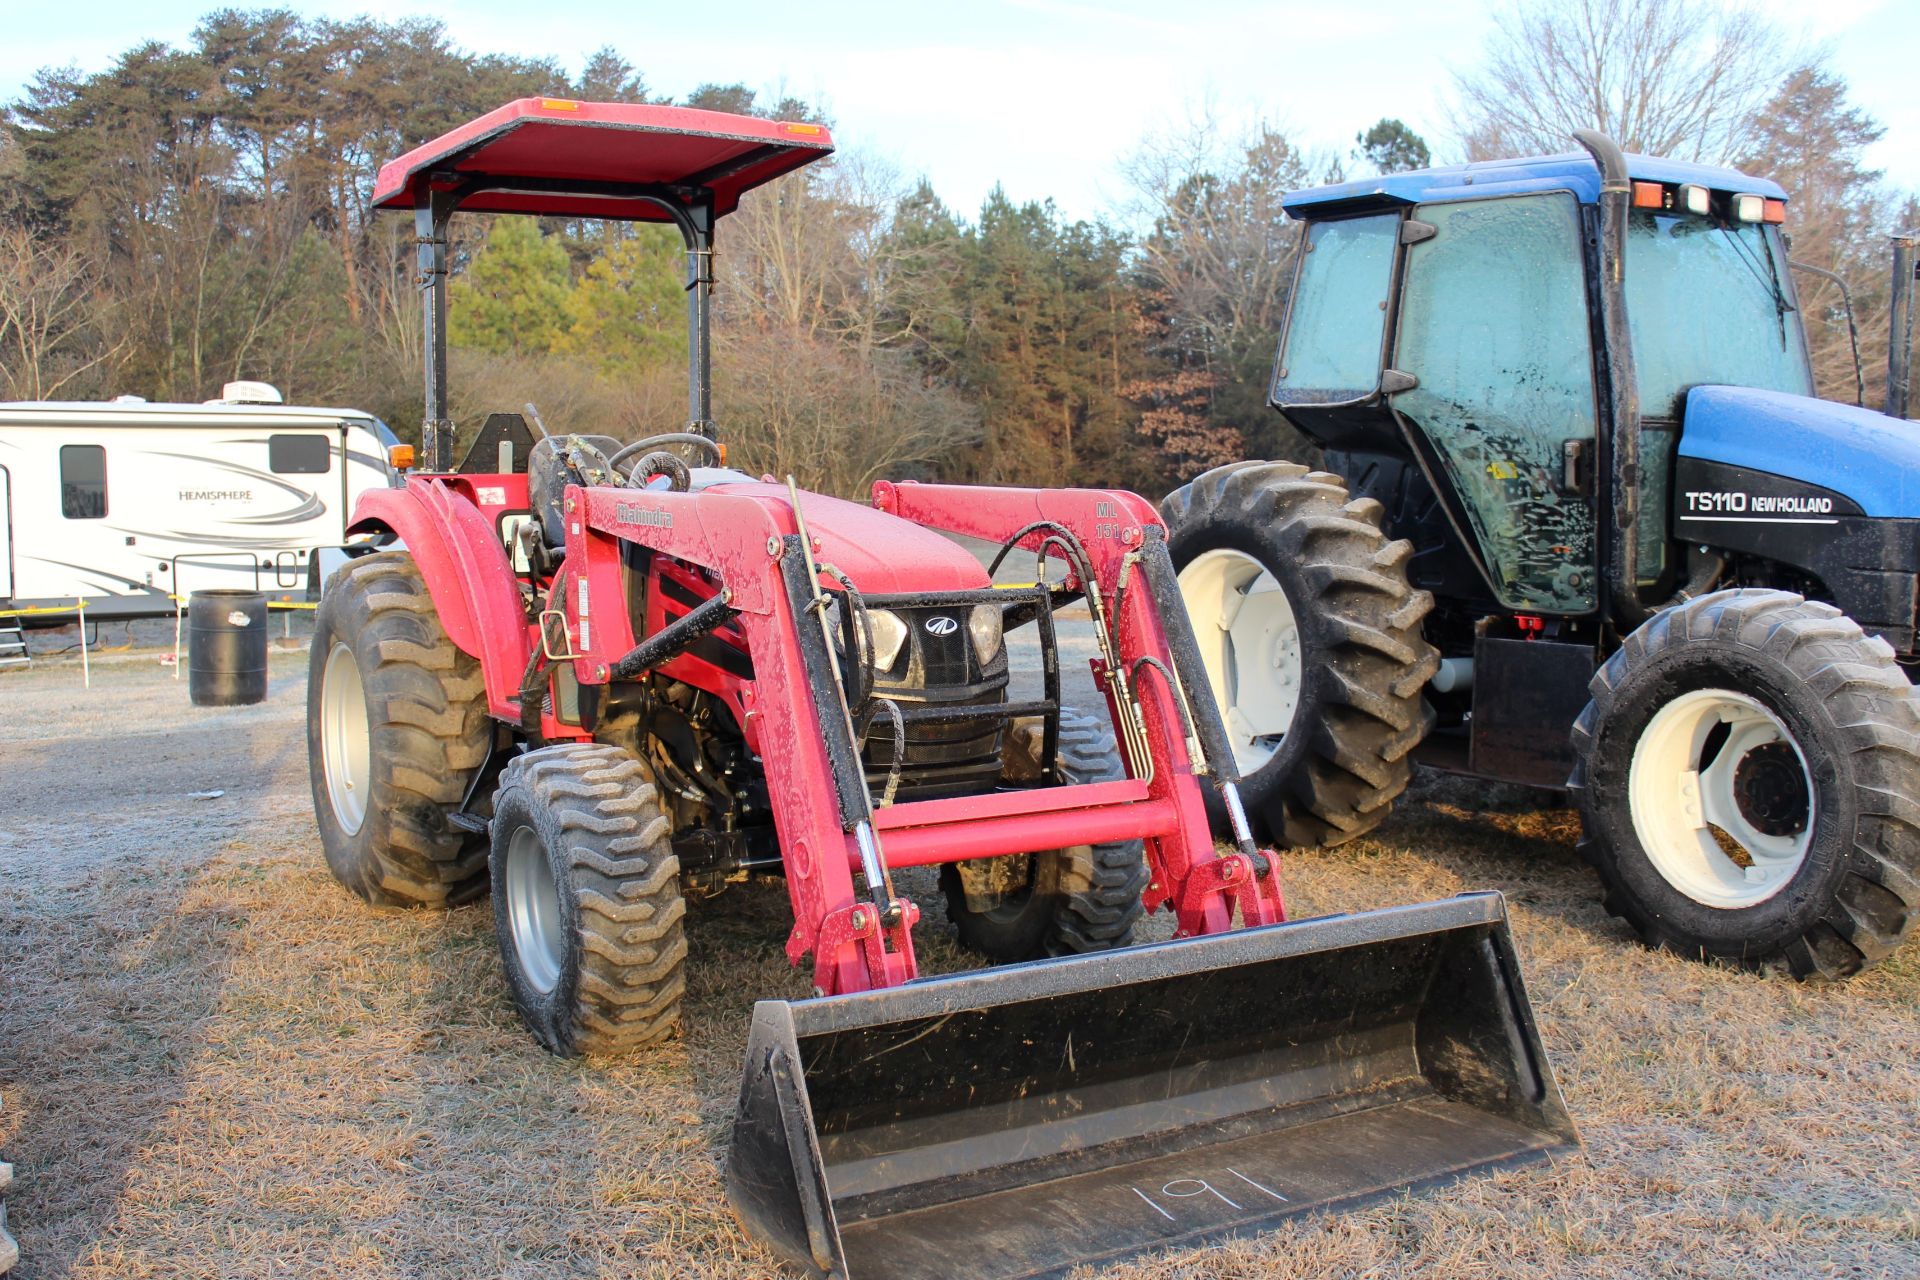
[(1710, 303)]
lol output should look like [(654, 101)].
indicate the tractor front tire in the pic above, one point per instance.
[(1310, 633), (397, 727), (1062, 901), (1747, 773), (586, 900)]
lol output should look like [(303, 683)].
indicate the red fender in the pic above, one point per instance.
[(467, 573)]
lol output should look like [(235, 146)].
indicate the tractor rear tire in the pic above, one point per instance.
[(1747, 773), (397, 727), (1320, 682), (1082, 898), (586, 899)]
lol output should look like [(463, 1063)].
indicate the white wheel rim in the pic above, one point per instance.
[(533, 910), (346, 742), (1681, 789), (1250, 644)]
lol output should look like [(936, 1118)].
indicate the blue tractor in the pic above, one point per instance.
[(1582, 524)]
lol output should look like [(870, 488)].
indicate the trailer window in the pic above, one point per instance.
[(299, 455), (83, 481)]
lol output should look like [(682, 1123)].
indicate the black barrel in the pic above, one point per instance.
[(226, 648)]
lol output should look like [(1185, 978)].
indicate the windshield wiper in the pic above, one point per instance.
[(1766, 273)]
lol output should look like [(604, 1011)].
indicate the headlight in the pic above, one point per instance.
[(889, 633), (983, 624)]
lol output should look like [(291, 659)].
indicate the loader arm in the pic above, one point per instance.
[(742, 541), (745, 540), (1201, 886)]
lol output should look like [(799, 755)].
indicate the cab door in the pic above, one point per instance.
[(1494, 329)]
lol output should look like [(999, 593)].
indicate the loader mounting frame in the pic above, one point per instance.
[(792, 712)]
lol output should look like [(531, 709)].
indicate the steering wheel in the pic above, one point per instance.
[(654, 460)]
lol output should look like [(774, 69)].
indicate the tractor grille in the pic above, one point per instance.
[(937, 665), (941, 759), (946, 659)]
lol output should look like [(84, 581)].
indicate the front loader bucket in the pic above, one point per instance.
[(1018, 1121)]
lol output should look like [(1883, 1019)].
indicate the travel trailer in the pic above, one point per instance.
[(129, 506)]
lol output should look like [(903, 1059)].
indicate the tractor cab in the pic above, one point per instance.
[(1455, 318)]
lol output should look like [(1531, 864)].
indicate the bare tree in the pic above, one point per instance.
[(1813, 141), (47, 336), (1214, 275), (1222, 245), (818, 409), (1677, 78), (786, 254), (812, 253)]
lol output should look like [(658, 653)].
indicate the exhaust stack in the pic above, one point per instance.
[(1906, 267)]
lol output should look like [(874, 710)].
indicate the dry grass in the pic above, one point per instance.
[(217, 1064)]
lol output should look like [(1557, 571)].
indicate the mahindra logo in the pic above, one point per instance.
[(627, 513), (942, 625)]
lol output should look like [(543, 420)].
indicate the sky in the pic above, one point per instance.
[(1047, 98)]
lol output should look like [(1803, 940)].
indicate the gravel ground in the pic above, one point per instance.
[(215, 1063)]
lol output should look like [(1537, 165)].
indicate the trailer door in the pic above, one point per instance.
[(6, 536)]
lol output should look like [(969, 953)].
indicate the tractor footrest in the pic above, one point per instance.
[(469, 822)]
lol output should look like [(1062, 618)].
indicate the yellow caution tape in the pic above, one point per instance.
[(76, 607)]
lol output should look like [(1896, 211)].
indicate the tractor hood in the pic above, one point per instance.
[(883, 554), (1867, 456)]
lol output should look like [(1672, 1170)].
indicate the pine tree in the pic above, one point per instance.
[(627, 313), (608, 77), (1391, 147), (512, 299)]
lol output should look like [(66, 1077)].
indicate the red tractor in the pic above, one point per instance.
[(600, 674)]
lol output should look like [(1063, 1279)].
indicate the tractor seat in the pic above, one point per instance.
[(699, 478), (707, 477), (547, 481)]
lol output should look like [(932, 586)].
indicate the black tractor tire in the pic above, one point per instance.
[(1074, 900), (1839, 773), (1345, 754), (586, 900), (427, 732)]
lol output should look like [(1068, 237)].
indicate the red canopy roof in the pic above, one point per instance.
[(557, 142)]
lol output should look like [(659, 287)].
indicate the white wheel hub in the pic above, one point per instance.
[(1722, 798), (346, 742), (533, 910), (1250, 643)]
